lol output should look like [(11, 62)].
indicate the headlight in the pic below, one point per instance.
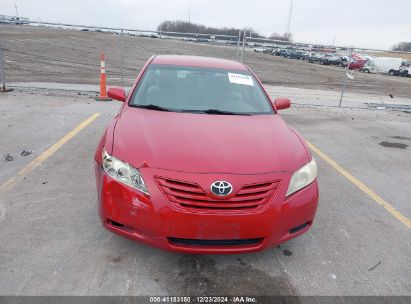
[(302, 177), (123, 172)]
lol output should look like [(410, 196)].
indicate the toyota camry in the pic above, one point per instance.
[(199, 160)]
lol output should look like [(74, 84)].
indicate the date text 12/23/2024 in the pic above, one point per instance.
[(203, 299)]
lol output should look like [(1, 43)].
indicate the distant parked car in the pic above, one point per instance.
[(344, 60), (383, 65), (292, 54), (314, 58), (150, 35), (405, 69), (278, 52), (306, 55), (285, 53), (301, 55), (330, 59), (260, 50), (356, 62)]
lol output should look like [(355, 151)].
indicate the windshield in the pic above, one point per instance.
[(202, 90)]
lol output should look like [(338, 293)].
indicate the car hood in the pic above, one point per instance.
[(201, 143)]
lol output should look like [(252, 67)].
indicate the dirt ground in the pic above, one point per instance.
[(405, 56), (40, 54)]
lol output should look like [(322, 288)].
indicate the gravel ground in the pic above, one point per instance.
[(40, 54)]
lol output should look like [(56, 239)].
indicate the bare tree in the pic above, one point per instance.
[(187, 27), (277, 36), (402, 46)]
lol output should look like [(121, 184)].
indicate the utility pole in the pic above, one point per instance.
[(17, 13), (347, 69), (238, 44), (288, 32), (189, 13), (244, 38), (2, 75), (333, 40)]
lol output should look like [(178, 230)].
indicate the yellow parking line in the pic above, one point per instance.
[(406, 221), (46, 154)]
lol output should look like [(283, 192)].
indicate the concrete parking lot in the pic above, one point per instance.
[(52, 242)]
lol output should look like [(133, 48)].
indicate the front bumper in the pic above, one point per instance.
[(153, 220)]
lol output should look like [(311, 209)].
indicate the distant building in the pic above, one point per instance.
[(13, 20)]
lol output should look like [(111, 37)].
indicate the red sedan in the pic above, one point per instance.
[(198, 160)]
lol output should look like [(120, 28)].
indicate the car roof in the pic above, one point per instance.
[(198, 61)]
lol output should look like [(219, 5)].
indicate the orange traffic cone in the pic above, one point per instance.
[(103, 90)]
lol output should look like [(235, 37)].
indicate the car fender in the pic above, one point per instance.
[(107, 139), (106, 142), (303, 142)]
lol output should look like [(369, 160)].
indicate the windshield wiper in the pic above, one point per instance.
[(215, 111), (208, 111), (152, 107), (221, 112)]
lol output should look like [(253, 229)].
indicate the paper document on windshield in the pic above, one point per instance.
[(240, 79)]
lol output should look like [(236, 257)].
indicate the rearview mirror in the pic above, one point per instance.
[(282, 103), (117, 93)]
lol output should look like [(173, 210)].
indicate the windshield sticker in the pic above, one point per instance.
[(240, 79), (182, 74)]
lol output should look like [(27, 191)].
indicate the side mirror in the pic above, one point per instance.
[(282, 103), (117, 93)]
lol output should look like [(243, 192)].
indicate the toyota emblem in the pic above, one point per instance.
[(221, 188)]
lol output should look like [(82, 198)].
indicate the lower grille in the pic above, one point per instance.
[(298, 228), (119, 226), (197, 242)]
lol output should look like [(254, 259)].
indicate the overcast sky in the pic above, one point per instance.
[(360, 23)]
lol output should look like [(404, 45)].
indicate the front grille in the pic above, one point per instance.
[(197, 242), (191, 195)]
